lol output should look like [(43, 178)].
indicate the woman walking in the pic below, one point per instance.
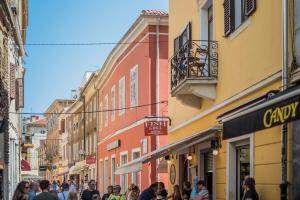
[(21, 192), (250, 193)]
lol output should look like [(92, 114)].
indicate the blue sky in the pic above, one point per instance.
[(53, 71)]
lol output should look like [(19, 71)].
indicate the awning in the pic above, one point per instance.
[(182, 144), (25, 166), (76, 169), (136, 165), (278, 109), (130, 167)]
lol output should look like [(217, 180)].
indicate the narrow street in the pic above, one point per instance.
[(149, 100)]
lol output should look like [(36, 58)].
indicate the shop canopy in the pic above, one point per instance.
[(25, 166), (136, 165), (275, 110)]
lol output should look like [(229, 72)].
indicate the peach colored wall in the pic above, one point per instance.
[(143, 55)]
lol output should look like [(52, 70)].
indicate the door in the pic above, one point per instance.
[(207, 171), (243, 168)]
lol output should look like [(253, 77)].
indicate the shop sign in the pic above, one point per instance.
[(276, 114), (153, 128), (90, 160), (113, 145), (172, 174), (42, 168)]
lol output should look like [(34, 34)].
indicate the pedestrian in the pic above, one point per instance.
[(65, 192), (150, 192), (81, 186), (55, 185), (162, 192), (96, 197), (251, 193), (21, 192), (176, 193), (203, 192), (187, 190), (88, 193), (116, 195), (134, 193), (34, 189), (109, 192), (129, 190), (45, 194), (73, 196), (72, 186), (195, 191)]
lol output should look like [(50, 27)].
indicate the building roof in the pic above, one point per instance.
[(39, 122), (154, 12)]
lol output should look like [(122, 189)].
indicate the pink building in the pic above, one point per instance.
[(132, 81)]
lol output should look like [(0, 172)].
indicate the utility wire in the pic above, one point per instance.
[(95, 111), (89, 43)]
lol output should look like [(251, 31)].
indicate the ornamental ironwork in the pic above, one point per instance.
[(196, 59)]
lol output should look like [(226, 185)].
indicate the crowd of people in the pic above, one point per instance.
[(156, 191)]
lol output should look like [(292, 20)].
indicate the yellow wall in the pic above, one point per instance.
[(244, 61)]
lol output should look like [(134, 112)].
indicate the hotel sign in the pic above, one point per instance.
[(154, 128), (113, 145), (273, 115)]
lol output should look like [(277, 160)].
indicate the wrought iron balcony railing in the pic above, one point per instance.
[(197, 59)]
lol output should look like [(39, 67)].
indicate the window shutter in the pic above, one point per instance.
[(62, 126), (12, 81), (250, 7), (228, 16), (176, 44), (17, 94)]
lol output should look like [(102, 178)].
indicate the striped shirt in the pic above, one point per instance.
[(204, 194)]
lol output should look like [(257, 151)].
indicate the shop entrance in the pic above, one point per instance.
[(184, 169), (207, 171)]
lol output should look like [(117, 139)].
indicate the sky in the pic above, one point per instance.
[(53, 71)]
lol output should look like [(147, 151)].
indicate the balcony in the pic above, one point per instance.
[(194, 71)]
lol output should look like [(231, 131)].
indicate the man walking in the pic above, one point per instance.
[(65, 192), (45, 195), (90, 192)]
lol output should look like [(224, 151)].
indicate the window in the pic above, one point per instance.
[(134, 86), (105, 173), (113, 169), (106, 110), (101, 176), (113, 103), (236, 12), (124, 177), (122, 95), (136, 175), (101, 118), (95, 108), (182, 39)]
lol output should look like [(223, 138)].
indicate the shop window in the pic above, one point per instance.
[(124, 177), (240, 165), (113, 169), (135, 175), (243, 167)]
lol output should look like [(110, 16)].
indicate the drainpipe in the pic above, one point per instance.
[(157, 86), (284, 184)]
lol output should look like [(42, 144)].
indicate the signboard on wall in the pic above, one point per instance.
[(90, 160), (113, 145), (154, 128)]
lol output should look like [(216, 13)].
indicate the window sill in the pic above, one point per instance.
[(240, 29)]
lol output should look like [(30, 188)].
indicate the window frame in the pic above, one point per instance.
[(113, 103), (106, 110), (136, 82), (122, 95)]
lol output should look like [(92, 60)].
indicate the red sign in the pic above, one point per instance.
[(90, 160), (25, 165), (153, 128)]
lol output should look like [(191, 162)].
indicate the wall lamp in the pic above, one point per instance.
[(216, 145)]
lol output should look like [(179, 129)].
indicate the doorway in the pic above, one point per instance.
[(207, 171)]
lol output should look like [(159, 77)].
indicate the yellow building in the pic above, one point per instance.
[(225, 83)]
